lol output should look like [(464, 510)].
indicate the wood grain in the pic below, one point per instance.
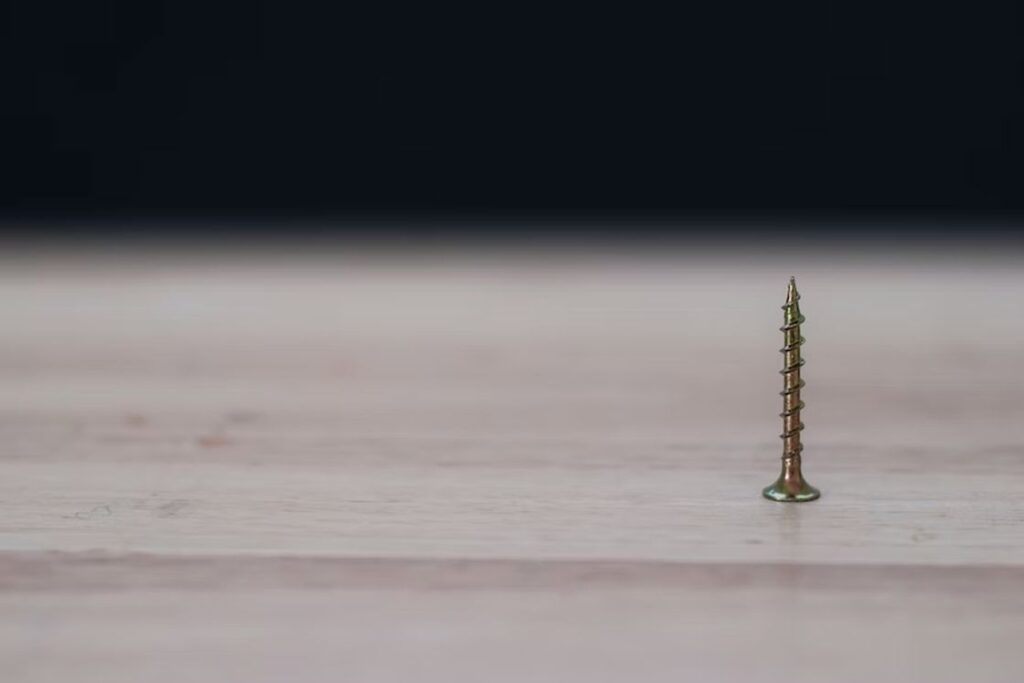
[(534, 466)]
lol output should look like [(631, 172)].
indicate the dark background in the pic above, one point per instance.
[(123, 110)]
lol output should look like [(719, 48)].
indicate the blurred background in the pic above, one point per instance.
[(187, 117)]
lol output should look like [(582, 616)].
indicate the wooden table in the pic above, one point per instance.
[(457, 465)]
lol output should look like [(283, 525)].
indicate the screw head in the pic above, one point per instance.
[(790, 491)]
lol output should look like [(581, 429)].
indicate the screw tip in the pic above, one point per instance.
[(791, 293)]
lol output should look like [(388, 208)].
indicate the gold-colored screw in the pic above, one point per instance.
[(791, 486)]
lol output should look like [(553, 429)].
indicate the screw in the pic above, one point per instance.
[(790, 486)]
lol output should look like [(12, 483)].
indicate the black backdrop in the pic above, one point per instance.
[(166, 108)]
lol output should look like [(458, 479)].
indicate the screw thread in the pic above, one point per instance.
[(792, 382)]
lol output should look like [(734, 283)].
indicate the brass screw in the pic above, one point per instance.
[(790, 486)]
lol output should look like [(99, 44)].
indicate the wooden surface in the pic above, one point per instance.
[(456, 466)]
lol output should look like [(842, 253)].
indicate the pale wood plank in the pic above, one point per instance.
[(523, 467), (323, 620)]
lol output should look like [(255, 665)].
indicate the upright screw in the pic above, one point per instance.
[(790, 486)]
